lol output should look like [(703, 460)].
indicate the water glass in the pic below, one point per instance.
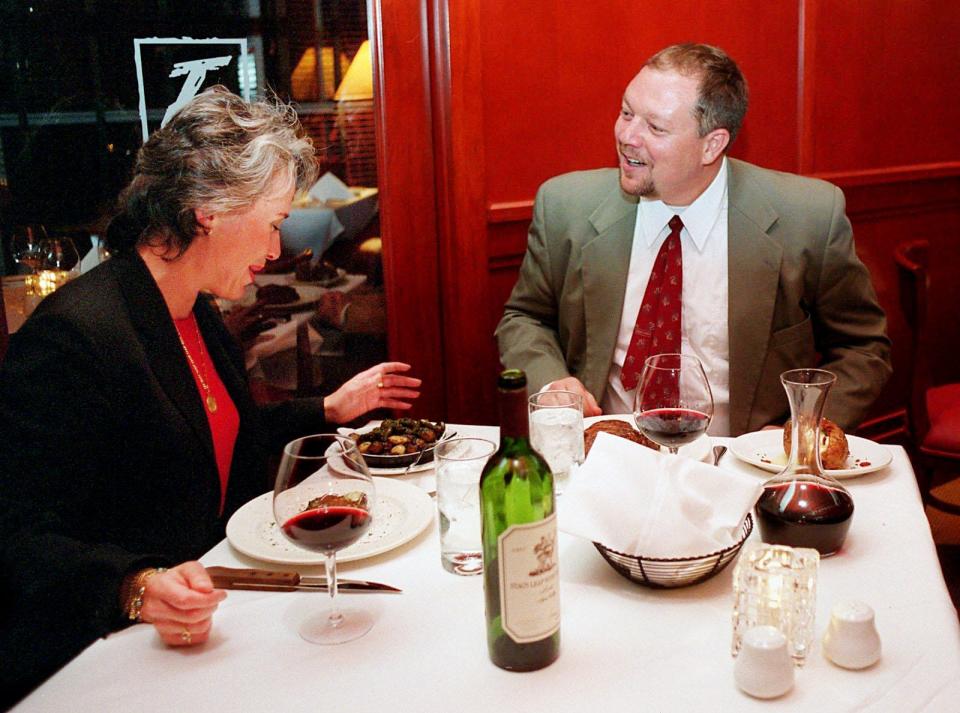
[(556, 432), (775, 585), (460, 462)]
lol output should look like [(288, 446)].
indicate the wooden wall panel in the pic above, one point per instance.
[(884, 215), (553, 75), (883, 80), (408, 221)]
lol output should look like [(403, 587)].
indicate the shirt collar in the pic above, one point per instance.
[(698, 218)]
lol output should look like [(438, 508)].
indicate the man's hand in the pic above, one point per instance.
[(572, 383)]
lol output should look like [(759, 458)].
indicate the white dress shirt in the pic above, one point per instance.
[(704, 321)]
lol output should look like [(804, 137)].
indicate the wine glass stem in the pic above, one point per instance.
[(335, 618)]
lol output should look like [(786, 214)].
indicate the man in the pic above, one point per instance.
[(770, 278)]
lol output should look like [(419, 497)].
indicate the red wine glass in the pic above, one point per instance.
[(323, 501), (673, 404)]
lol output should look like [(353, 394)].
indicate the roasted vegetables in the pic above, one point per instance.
[(398, 437)]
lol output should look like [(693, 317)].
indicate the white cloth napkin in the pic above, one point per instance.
[(329, 187), (640, 502)]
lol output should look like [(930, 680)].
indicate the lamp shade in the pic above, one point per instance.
[(357, 85)]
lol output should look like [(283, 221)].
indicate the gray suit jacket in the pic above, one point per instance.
[(798, 294)]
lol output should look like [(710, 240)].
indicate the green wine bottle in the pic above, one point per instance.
[(519, 523)]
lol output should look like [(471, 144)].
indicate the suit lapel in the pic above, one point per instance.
[(605, 263), (151, 319), (754, 274)]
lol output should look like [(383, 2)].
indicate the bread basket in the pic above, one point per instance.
[(661, 573)]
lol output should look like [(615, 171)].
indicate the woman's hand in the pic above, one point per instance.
[(381, 386), (180, 604)]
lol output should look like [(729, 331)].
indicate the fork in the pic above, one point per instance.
[(416, 462)]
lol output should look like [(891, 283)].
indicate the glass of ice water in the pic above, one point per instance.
[(556, 432), (460, 462)]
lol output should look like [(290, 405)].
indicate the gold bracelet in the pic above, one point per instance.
[(139, 587)]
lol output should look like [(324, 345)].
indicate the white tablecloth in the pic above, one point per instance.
[(624, 647)]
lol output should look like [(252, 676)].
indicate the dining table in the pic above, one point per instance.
[(623, 646)]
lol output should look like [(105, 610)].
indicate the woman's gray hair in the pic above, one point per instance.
[(219, 153)]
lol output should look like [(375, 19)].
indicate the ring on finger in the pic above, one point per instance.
[(380, 384), (185, 636)]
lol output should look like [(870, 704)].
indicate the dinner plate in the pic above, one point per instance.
[(402, 512), (764, 449), (698, 450)]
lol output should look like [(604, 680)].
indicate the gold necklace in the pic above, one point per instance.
[(211, 401)]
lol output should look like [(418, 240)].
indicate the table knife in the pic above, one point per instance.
[(266, 580)]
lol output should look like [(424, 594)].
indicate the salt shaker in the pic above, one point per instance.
[(851, 639), (764, 668)]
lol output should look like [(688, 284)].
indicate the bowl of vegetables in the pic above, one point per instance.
[(399, 442)]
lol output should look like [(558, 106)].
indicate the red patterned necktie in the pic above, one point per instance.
[(657, 329)]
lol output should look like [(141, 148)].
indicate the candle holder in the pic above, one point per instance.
[(776, 585)]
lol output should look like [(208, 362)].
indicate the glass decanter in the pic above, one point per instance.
[(803, 506)]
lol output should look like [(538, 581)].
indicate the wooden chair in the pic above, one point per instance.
[(933, 413)]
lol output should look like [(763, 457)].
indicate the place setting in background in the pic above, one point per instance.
[(328, 212)]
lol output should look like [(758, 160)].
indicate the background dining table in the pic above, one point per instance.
[(624, 647)]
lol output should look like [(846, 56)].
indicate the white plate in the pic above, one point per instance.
[(402, 512), (419, 468), (698, 450), (764, 449)]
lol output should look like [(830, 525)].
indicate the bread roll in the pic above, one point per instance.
[(833, 444), (617, 428)]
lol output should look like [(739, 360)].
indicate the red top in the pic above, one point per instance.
[(225, 421)]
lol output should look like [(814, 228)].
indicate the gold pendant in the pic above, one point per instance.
[(211, 404)]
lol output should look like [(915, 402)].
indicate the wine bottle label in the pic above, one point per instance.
[(529, 580)]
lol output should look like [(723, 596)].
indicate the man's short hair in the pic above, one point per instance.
[(723, 96)]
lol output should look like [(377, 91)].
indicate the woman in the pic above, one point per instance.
[(128, 434)]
